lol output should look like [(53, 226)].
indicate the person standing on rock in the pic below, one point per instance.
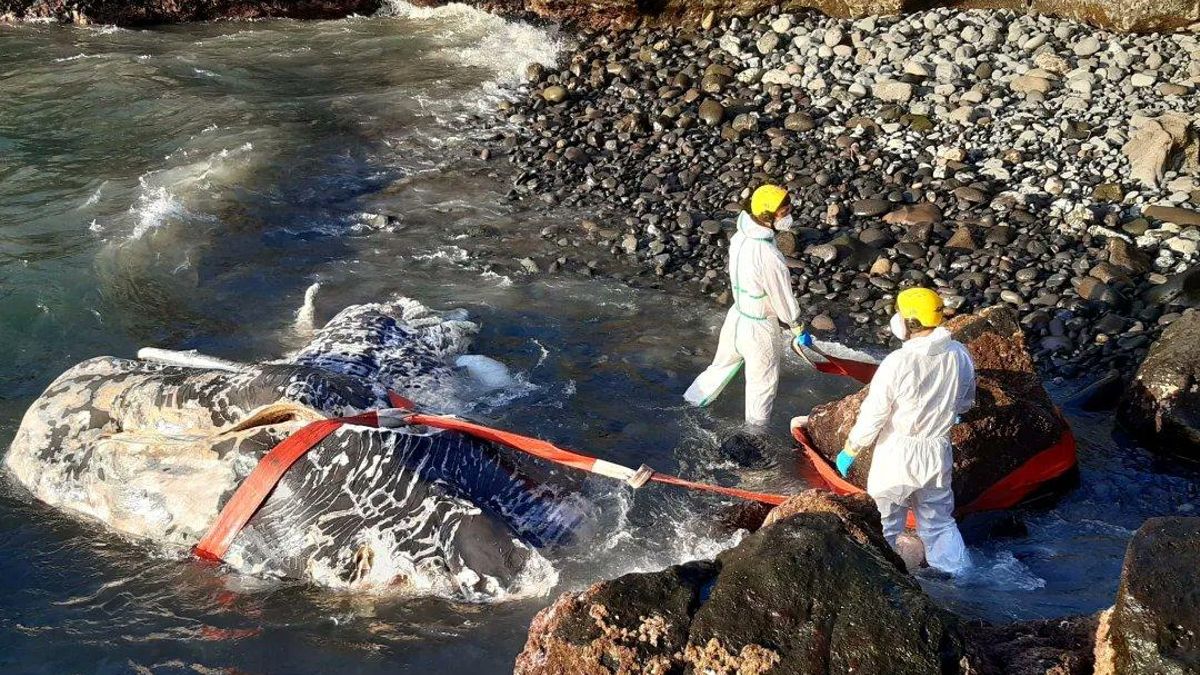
[(762, 298), (916, 396)]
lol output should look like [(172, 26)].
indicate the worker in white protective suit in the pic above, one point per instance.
[(915, 398), (762, 300)]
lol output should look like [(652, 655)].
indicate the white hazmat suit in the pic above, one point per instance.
[(762, 296), (913, 401)]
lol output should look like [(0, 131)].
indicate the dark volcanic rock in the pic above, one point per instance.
[(1154, 627), (816, 591), (1050, 647), (146, 12), (1013, 418), (1162, 404)]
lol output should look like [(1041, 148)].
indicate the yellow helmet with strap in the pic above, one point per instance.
[(920, 304), (767, 200)]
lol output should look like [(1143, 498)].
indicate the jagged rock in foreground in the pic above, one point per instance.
[(1120, 15), (1162, 405), (1013, 419), (1050, 647), (1154, 627), (816, 591), (148, 12)]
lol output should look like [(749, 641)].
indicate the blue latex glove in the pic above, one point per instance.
[(805, 339), (844, 460)]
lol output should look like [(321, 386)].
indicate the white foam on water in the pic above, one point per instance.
[(447, 253), (164, 193), (1001, 572), (502, 46)]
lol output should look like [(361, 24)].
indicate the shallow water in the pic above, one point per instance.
[(184, 187)]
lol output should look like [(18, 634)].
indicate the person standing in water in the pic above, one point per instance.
[(762, 298), (916, 396)]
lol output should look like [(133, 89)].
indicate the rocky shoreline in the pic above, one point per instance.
[(154, 12), (1001, 158), (1139, 16)]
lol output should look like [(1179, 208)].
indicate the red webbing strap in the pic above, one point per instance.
[(765, 498), (553, 453), (251, 494), (530, 446), (262, 480)]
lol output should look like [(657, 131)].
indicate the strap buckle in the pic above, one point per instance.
[(640, 477)]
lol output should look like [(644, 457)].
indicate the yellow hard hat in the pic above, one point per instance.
[(921, 304), (767, 200)]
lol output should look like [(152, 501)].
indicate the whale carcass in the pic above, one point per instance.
[(154, 451)]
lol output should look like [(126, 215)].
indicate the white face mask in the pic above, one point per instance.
[(899, 327), (784, 223)]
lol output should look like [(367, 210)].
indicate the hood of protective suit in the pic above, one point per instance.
[(750, 227), (928, 345)]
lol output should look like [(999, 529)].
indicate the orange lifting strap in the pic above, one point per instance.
[(254, 491)]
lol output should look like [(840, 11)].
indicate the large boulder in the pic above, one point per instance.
[(1154, 627), (1013, 419), (1162, 405), (815, 591), (1159, 144)]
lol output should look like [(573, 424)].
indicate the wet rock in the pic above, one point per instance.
[(1094, 290), (1013, 418), (823, 323), (1154, 626), (1048, 647), (712, 113), (554, 94), (1162, 405), (743, 612)]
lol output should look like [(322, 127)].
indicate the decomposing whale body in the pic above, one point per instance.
[(155, 451)]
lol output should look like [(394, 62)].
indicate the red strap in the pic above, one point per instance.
[(764, 497), (262, 480), (530, 446)]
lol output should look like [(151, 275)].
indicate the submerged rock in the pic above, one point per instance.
[(1154, 627), (816, 591), (1162, 405), (1013, 419)]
